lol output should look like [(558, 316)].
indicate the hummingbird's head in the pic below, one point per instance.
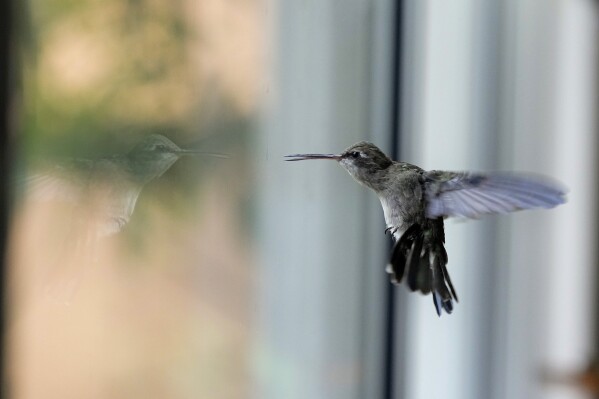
[(363, 161), (155, 154)]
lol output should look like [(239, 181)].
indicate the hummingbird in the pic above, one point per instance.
[(107, 189), (415, 203)]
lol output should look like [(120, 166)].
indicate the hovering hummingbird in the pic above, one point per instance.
[(107, 189), (415, 202)]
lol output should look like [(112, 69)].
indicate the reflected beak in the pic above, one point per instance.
[(183, 152), (303, 157)]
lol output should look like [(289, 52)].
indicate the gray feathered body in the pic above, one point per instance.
[(401, 192), (419, 255)]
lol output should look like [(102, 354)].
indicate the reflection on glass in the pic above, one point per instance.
[(161, 309), (211, 288), (106, 190)]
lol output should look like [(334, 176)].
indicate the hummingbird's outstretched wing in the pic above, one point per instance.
[(63, 182), (471, 195)]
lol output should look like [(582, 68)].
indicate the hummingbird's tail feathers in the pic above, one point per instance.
[(443, 291), (401, 251), (423, 262), (418, 278), (448, 282), (442, 304)]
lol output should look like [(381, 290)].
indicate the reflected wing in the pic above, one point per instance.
[(98, 193), (63, 183), (471, 195)]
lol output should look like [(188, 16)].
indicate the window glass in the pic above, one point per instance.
[(159, 245)]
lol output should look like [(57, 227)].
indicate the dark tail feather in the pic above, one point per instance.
[(400, 253), (423, 262), (443, 291), (448, 281), (415, 275)]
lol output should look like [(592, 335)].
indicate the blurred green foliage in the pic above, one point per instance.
[(97, 75)]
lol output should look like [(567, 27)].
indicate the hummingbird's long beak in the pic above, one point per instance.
[(303, 157), (182, 152)]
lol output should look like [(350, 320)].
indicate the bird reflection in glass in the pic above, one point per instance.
[(108, 188), (71, 206)]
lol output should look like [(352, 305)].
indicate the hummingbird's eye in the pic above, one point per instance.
[(354, 154)]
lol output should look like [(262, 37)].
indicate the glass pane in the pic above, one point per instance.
[(160, 247), (132, 275)]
